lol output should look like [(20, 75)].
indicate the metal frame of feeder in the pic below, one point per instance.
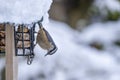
[(31, 39), (31, 33)]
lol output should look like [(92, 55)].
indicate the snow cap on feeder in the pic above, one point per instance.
[(24, 11)]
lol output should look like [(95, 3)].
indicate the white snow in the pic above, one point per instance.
[(112, 5), (24, 11), (2, 63), (105, 33), (74, 61)]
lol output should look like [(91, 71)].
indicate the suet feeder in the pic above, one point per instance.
[(24, 39), (24, 35)]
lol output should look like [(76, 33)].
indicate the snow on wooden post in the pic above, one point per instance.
[(11, 59)]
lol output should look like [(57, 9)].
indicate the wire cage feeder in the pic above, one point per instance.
[(24, 40)]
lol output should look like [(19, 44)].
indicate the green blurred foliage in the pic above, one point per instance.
[(109, 16), (113, 16)]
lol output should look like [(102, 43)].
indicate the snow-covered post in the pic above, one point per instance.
[(11, 59)]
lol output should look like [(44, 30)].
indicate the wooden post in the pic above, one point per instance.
[(11, 59)]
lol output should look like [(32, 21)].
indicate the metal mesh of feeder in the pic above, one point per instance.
[(24, 39)]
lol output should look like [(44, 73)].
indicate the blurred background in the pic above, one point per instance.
[(80, 13), (87, 33)]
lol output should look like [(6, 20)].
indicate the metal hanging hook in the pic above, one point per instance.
[(30, 59)]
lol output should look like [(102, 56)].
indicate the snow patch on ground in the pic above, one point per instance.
[(74, 61)]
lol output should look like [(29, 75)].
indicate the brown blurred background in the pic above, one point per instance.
[(79, 13)]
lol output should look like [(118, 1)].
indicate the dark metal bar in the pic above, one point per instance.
[(30, 40), (2, 52), (22, 32), (33, 32), (24, 47), (23, 39), (23, 55), (2, 37), (16, 50)]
